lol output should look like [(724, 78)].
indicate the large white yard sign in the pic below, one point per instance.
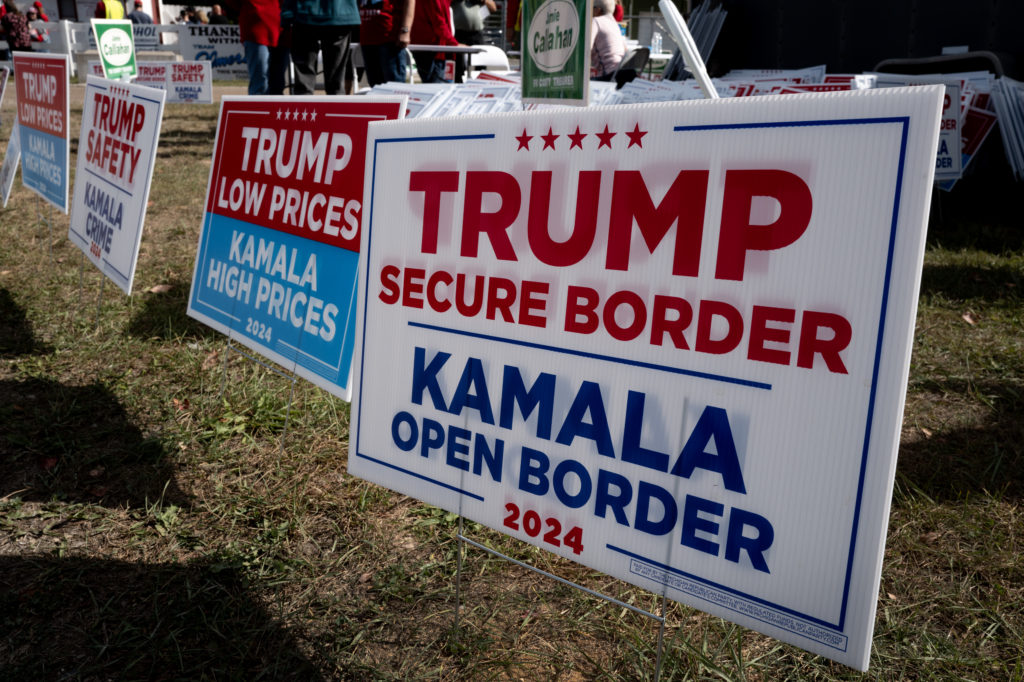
[(670, 342), (116, 154)]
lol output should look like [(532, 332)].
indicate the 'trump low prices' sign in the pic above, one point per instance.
[(116, 151), (279, 249), (670, 342), (42, 87)]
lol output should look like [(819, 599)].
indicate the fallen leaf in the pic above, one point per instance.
[(364, 577), (930, 538), (210, 360), (968, 318), (47, 462), (160, 289), (890, 595), (180, 405), (5, 272), (94, 473), (927, 433)]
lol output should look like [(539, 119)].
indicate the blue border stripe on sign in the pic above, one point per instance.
[(904, 122), (719, 586), (597, 356), (389, 465), (792, 124)]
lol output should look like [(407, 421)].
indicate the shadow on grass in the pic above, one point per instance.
[(961, 462), (960, 282), (16, 335), (76, 443), (165, 316), (187, 143), (97, 620)]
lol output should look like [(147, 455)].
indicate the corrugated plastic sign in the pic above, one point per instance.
[(279, 248), (42, 85), (670, 342), (116, 153)]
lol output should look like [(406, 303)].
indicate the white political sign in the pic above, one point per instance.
[(183, 81), (670, 342), (10, 165), (221, 45), (948, 160), (116, 152)]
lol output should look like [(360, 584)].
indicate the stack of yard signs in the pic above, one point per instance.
[(1006, 97), (976, 100), (705, 24)]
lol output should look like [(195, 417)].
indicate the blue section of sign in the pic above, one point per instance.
[(44, 165), (289, 298)]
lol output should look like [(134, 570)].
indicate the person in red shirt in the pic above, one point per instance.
[(266, 53), (430, 26), (39, 10), (385, 27)]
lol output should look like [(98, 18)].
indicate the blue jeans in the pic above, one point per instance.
[(385, 63), (257, 57), (430, 67), (267, 68)]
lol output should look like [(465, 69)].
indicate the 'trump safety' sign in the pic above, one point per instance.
[(116, 151), (42, 86), (279, 249), (670, 342)]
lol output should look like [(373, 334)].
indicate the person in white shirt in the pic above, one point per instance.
[(607, 45)]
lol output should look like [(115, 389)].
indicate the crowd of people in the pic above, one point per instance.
[(275, 33)]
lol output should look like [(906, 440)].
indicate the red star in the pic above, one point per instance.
[(524, 141), (577, 138), (636, 136), (549, 139), (605, 137)]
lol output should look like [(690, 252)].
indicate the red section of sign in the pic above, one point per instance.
[(42, 87), (977, 124), (295, 165), (191, 72)]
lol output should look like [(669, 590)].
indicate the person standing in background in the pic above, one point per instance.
[(39, 10), (259, 23), (384, 31), (36, 35), (137, 16), (109, 9), (217, 15), (15, 27), (607, 46), (430, 26), (321, 26), (469, 27)]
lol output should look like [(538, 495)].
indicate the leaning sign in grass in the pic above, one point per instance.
[(116, 152), (5, 71), (279, 248), (670, 342), (41, 82), (10, 164)]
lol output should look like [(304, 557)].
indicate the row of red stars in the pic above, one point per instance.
[(635, 136)]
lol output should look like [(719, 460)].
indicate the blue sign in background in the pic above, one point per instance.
[(263, 299), (45, 173)]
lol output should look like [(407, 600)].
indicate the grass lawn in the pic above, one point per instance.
[(152, 527)]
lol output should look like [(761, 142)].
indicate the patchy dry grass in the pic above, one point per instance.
[(151, 528)]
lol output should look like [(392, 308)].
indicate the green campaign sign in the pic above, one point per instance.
[(116, 46), (556, 52)]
